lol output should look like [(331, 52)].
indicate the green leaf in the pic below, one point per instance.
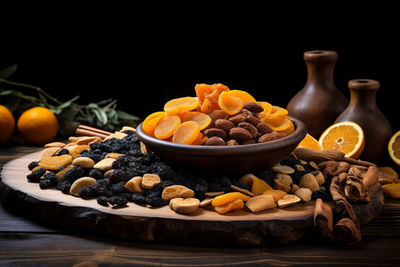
[(126, 116), (7, 72)]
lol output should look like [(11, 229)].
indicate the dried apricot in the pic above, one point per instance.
[(182, 104), (231, 206), (246, 97), (259, 186), (285, 124), (201, 90), (229, 103), (228, 197), (203, 120), (186, 133), (201, 139), (55, 162), (276, 194), (75, 151), (151, 121), (267, 109), (206, 106), (166, 126)]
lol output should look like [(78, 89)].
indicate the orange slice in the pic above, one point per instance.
[(310, 142), (394, 148), (346, 136)]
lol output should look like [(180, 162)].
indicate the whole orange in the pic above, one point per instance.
[(7, 124), (38, 125)]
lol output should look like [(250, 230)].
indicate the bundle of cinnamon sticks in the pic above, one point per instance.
[(351, 181)]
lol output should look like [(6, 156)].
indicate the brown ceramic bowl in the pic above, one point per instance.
[(226, 159)]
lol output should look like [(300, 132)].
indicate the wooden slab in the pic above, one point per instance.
[(139, 223)]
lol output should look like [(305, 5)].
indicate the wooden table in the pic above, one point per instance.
[(24, 242)]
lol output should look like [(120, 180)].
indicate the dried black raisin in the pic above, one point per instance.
[(32, 165), (103, 200), (35, 176), (95, 173)]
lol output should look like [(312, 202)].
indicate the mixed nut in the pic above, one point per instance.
[(117, 171)]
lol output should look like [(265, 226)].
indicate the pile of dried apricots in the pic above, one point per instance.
[(185, 120)]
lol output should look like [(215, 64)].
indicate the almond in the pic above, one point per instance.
[(232, 142), (150, 180), (236, 119), (176, 191), (239, 134), (268, 137), (253, 107), (225, 125), (215, 141), (253, 120), (215, 132), (263, 128), (249, 127)]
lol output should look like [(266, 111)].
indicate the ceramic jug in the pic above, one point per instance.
[(363, 110), (319, 103)]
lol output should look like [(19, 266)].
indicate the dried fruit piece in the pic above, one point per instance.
[(201, 139), (166, 126), (288, 200), (54, 144), (184, 206), (134, 185), (260, 203), (203, 120), (308, 181), (229, 103), (151, 121), (237, 204), (83, 162), (267, 108), (104, 164), (228, 197), (259, 186), (80, 183), (63, 171), (206, 107), (55, 162), (176, 191), (276, 194), (304, 194), (48, 152), (186, 133), (75, 151), (180, 105), (150, 180), (243, 95)]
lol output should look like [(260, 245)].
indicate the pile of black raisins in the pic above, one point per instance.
[(110, 190)]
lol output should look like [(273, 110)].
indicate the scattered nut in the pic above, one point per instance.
[(150, 180), (108, 173), (294, 188), (239, 134), (215, 141), (175, 191), (118, 135), (283, 169), (308, 181), (82, 182), (242, 190), (54, 144), (134, 185), (184, 206), (282, 184), (260, 203), (314, 165), (205, 202), (113, 155), (83, 162), (104, 164), (299, 167), (285, 177), (85, 140), (213, 194), (304, 194), (288, 200), (319, 177)]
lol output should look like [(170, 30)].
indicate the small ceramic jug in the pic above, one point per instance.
[(319, 103), (363, 110)]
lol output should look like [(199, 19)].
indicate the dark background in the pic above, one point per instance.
[(143, 67)]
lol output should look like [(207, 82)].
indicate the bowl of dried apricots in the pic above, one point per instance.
[(221, 130)]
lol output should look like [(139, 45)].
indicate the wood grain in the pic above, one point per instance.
[(24, 242)]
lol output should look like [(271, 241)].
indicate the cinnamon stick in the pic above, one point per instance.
[(92, 129), (84, 130), (323, 218)]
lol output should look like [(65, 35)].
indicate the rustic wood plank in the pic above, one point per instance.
[(68, 250)]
